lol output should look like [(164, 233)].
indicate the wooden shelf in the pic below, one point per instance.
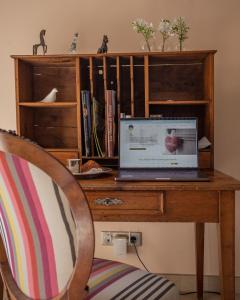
[(98, 157), (50, 105), (171, 84), (62, 149), (179, 102)]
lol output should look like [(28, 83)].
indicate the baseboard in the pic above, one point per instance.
[(188, 282)]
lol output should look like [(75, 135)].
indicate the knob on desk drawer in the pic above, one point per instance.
[(108, 201)]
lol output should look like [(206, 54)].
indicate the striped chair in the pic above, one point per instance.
[(46, 250)]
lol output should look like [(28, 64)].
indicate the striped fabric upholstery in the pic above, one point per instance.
[(40, 247), (112, 280)]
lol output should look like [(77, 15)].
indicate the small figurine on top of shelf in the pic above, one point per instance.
[(51, 97), (73, 47), (180, 28), (42, 43), (104, 47)]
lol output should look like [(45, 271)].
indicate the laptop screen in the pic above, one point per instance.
[(158, 143)]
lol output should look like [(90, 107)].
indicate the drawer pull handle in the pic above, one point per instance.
[(108, 201)]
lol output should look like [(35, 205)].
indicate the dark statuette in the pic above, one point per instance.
[(104, 47), (42, 43)]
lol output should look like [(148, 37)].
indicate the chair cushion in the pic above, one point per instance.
[(111, 280)]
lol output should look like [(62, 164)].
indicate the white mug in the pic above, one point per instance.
[(74, 165)]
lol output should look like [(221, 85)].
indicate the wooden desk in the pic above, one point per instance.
[(198, 202)]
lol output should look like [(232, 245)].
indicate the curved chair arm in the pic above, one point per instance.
[(25, 149)]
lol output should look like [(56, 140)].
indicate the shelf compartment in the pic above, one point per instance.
[(38, 78), (176, 111), (49, 105), (125, 85), (111, 73), (63, 156), (138, 87), (98, 82), (110, 162), (50, 128), (175, 78), (85, 73), (55, 136), (48, 60)]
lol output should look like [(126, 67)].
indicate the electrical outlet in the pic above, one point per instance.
[(108, 237), (136, 237)]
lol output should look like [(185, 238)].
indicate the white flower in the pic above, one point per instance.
[(165, 27), (142, 26)]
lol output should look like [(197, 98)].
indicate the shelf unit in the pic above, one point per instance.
[(171, 84)]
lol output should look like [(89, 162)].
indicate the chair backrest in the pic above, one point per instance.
[(45, 224)]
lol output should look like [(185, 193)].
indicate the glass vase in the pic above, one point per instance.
[(147, 45)]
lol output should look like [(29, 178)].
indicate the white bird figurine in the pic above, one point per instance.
[(51, 97)]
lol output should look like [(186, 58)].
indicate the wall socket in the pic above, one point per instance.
[(108, 237)]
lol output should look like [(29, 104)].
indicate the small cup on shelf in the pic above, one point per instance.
[(74, 165)]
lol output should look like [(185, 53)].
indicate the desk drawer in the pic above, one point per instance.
[(126, 202), (154, 206)]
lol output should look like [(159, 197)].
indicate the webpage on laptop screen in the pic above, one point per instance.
[(147, 143)]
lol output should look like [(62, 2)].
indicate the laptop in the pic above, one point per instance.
[(163, 149)]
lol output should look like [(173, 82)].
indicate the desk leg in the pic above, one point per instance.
[(227, 244), (199, 236)]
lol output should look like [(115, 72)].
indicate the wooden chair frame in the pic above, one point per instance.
[(76, 286)]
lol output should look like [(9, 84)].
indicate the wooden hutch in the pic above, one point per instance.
[(173, 84)]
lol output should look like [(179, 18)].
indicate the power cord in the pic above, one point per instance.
[(133, 241)]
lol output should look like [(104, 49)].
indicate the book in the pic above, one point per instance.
[(110, 122), (98, 125), (113, 121), (86, 112)]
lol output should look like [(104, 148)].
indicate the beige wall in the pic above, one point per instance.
[(214, 24)]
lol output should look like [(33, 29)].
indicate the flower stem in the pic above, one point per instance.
[(163, 44), (180, 44)]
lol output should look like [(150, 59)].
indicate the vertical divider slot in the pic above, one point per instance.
[(84, 86), (118, 86), (146, 81), (92, 97), (132, 85), (98, 87), (138, 86), (79, 110), (111, 104), (125, 79)]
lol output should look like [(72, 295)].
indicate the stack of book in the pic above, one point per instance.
[(94, 129)]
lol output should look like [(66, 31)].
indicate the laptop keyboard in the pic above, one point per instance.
[(159, 174)]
